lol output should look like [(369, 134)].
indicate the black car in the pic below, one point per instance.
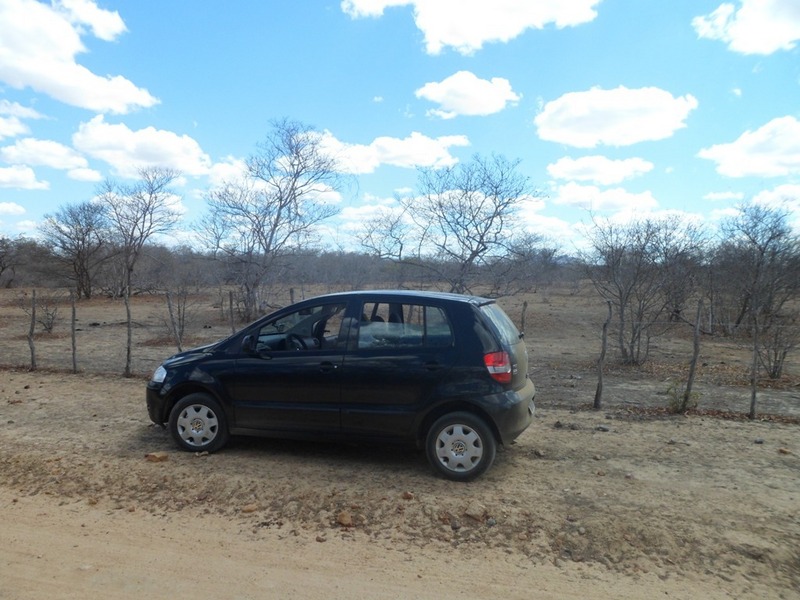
[(444, 371)]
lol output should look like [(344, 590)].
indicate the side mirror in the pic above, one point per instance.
[(248, 344)]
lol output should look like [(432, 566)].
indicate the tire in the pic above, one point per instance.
[(460, 446), (198, 424)]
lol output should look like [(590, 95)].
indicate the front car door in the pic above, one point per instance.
[(290, 380)]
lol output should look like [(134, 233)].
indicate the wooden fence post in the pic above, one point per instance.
[(32, 331)]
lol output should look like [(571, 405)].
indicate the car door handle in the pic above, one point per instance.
[(328, 367)]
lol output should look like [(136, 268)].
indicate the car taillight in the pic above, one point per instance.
[(499, 366)]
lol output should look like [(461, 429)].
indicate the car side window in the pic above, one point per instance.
[(315, 327), (387, 325)]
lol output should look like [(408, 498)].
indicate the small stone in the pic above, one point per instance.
[(601, 473), (408, 495), (156, 456), (249, 508), (322, 538), (345, 519), (476, 511), (455, 524), (758, 441), (784, 451), (602, 428)]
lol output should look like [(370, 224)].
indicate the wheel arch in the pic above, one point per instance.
[(177, 393), (456, 406)]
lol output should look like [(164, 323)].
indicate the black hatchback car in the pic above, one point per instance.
[(446, 372)]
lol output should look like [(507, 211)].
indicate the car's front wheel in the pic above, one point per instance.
[(460, 446), (197, 423)]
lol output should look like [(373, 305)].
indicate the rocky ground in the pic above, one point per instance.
[(629, 501)]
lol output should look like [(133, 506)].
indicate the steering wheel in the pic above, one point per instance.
[(295, 342)]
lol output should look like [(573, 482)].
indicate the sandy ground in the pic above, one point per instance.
[(617, 503)]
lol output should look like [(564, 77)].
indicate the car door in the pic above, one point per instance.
[(401, 353), (284, 385)]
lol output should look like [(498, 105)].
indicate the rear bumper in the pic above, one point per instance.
[(515, 412)]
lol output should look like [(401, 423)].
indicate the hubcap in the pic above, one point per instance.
[(459, 447), (198, 425)]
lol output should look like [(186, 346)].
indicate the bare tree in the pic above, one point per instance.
[(136, 213), (79, 236), (7, 261), (638, 266), (779, 339), (768, 272), (273, 209), (460, 222)]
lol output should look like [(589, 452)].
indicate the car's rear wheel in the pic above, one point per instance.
[(198, 424), (460, 446)]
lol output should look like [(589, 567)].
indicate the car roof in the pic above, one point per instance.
[(410, 295)]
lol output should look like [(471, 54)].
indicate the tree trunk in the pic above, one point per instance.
[(72, 334), (687, 395), (173, 324), (129, 344), (524, 314), (230, 308), (754, 369), (598, 394)]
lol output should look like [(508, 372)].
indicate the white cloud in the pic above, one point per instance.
[(38, 48), (104, 24), (463, 93), (416, 150), (784, 197), (555, 231), (12, 127), (722, 196), (757, 27), (11, 208), (127, 150), (618, 117), (21, 178), (15, 109), (592, 198), (771, 151), (83, 174), (466, 25), (11, 116), (30, 151), (598, 169), (228, 170)]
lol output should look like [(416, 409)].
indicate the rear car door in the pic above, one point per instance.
[(400, 354)]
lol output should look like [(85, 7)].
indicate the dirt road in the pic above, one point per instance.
[(586, 505)]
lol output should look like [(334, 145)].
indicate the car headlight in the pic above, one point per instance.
[(159, 375)]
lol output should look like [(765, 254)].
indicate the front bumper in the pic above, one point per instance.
[(156, 404)]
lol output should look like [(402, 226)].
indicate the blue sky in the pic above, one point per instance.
[(615, 108)]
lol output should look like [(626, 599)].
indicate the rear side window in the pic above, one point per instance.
[(503, 324), (394, 325)]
